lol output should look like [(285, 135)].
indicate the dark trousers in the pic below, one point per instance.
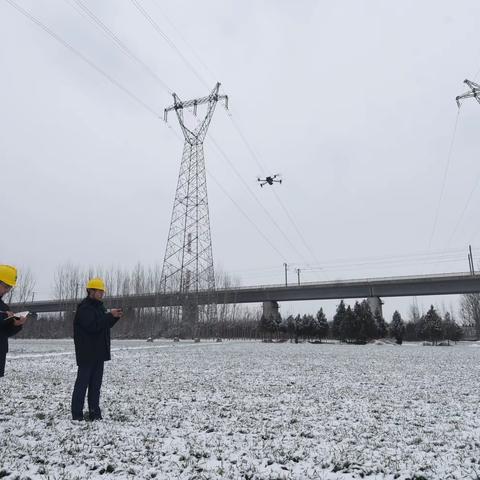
[(88, 377), (3, 357)]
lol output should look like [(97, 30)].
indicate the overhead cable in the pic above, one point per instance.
[(70, 47), (444, 180), (119, 43), (162, 34)]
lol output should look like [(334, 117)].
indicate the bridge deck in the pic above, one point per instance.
[(445, 284)]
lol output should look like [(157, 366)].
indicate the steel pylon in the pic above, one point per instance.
[(188, 263)]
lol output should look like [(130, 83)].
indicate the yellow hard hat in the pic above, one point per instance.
[(8, 275), (96, 284)]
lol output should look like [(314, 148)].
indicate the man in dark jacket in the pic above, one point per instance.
[(91, 334), (9, 325)]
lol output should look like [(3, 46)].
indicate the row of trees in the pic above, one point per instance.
[(306, 326), (433, 328), (145, 326), (357, 325), (360, 325)]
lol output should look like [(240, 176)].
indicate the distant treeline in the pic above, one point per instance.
[(360, 325), (350, 325), (144, 323)]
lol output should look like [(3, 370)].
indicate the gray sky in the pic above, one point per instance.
[(352, 101)]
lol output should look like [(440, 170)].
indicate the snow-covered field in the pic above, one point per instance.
[(245, 410)]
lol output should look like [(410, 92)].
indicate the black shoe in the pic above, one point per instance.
[(77, 418), (92, 417)]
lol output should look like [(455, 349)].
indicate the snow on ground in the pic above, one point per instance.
[(245, 410)]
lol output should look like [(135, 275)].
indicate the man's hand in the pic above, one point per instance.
[(9, 313), (18, 322), (116, 312)]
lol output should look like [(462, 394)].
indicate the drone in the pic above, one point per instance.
[(270, 180)]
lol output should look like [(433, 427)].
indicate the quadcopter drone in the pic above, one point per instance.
[(270, 180)]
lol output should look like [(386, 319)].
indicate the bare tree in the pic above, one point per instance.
[(414, 313), (470, 311), (68, 282), (25, 288)]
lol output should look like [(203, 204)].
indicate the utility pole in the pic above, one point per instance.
[(286, 277), (470, 260), (188, 262), (298, 275)]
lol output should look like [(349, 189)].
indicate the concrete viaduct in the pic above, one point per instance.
[(373, 289)]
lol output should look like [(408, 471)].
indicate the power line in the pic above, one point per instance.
[(444, 178), (224, 155), (460, 218), (473, 93), (401, 258), (163, 35), (476, 74), (474, 235), (119, 43), (419, 257), (260, 165), (67, 45), (244, 213), (185, 41), (451, 255), (352, 265), (453, 259)]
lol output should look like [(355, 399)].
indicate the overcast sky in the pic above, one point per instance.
[(353, 102)]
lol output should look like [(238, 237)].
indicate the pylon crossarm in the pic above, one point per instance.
[(178, 105), (472, 85), (197, 101), (474, 93)]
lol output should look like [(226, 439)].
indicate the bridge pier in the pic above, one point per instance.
[(190, 319), (270, 310), (375, 304)]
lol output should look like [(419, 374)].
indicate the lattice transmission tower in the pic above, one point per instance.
[(188, 263)]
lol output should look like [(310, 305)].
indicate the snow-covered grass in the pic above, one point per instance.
[(246, 410)]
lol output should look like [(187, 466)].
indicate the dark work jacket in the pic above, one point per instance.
[(7, 328), (91, 332)]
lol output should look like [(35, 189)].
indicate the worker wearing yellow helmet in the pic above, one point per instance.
[(91, 335), (9, 323)]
